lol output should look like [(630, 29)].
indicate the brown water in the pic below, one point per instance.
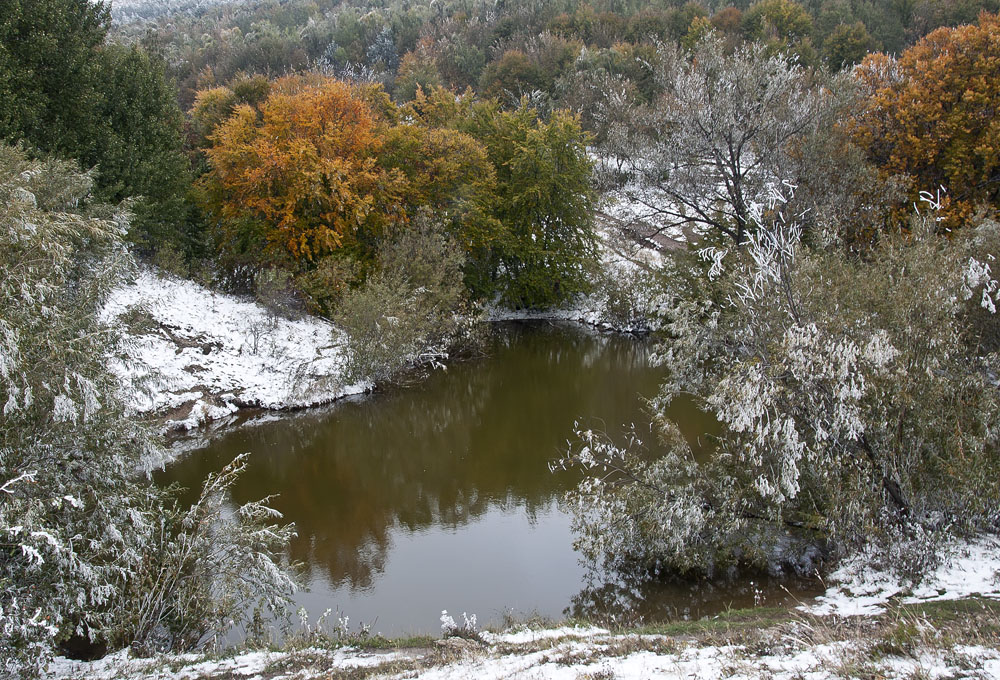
[(438, 496)]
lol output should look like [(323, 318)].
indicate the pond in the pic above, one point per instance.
[(439, 495)]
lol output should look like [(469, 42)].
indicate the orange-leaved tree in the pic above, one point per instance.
[(296, 177), (932, 115)]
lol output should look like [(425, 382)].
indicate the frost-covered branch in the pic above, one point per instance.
[(82, 531), (856, 399), (707, 150)]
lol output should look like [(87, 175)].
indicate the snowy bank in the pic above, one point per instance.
[(572, 661), (190, 666), (966, 569), (194, 355)]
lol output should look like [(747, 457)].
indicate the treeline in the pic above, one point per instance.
[(114, 108), (315, 176), (513, 47), (350, 168)]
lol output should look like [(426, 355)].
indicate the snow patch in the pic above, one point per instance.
[(599, 654), (967, 569), (200, 355), (192, 666), (527, 636)]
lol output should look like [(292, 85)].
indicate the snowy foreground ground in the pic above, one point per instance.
[(867, 626), (578, 654)]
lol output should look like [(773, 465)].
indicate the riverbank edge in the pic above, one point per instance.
[(192, 357), (954, 638)]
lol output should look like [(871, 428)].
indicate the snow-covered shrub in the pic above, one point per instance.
[(327, 632), (858, 403), (208, 570), (73, 520), (468, 630), (412, 311), (381, 54), (719, 131), (80, 525)]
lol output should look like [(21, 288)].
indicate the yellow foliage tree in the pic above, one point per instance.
[(445, 169), (932, 115), (299, 175), (450, 173)]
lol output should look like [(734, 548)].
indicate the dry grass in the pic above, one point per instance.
[(906, 636)]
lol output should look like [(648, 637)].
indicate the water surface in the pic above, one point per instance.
[(439, 496)]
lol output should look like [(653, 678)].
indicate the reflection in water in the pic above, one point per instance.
[(620, 603), (438, 495)]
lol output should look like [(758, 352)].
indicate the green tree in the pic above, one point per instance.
[(511, 76), (416, 71), (441, 169), (136, 148), (544, 204), (783, 25), (847, 45), (690, 16), (64, 91), (887, 21), (48, 56), (781, 21), (649, 25), (214, 105)]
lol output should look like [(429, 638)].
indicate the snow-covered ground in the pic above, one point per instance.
[(570, 655), (609, 658), (636, 205), (194, 355), (966, 569), (185, 666), (815, 646)]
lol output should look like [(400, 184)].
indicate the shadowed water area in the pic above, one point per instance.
[(439, 495)]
